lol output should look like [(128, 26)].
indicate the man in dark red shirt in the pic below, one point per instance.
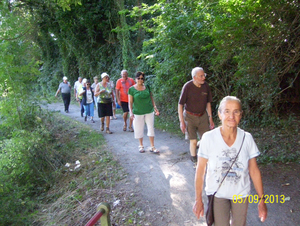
[(194, 109)]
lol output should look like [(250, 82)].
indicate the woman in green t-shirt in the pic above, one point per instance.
[(142, 108)]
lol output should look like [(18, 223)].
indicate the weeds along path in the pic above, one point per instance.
[(165, 182)]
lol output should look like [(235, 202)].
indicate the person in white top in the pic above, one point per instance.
[(87, 94), (217, 152), (114, 102), (96, 80), (76, 88)]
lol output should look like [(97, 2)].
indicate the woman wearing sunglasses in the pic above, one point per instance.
[(142, 108)]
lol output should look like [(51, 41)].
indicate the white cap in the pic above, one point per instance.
[(104, 74), (65, 78)]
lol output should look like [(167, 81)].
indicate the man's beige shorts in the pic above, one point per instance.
[(196, 125)]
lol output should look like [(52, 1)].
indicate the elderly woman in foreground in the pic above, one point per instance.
[(218, 151)]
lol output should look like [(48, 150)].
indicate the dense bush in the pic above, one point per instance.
[(248, 49)]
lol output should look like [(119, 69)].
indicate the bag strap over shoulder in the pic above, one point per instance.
[(231, 164), (148, 87)]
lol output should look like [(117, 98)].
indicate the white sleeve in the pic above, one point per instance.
[(251, 146), (204, 146)]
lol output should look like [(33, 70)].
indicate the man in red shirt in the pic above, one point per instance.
[(122, 87)]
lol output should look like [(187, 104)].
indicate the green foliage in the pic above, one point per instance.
[(248, 49), (255, 42), (180, 41), (32, 162), (66, 4)]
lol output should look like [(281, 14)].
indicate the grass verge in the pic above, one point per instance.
[(88, 176)]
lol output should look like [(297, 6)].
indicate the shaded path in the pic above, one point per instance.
[(165, 182)]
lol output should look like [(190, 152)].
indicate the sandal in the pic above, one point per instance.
[(108, 131), (141, 149), (130, 129), (154, 150), (102, 127), (124, 128)]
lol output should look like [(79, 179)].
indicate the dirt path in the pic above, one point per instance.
[(165, 182)]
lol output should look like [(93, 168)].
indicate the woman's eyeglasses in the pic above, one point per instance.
[(235, 112), (140, 78), (88, 84)]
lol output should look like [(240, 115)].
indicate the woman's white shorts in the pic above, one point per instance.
[(139, 125)]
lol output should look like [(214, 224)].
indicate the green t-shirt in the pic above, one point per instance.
[(142, 103)]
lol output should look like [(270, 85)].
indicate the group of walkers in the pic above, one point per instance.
[(227, 154), (133, 96)]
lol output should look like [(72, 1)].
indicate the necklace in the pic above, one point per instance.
[(140, 87)]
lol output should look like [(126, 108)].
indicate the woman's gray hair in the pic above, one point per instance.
[(226, 99), (195, 70)]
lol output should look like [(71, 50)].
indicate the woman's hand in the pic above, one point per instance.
[(198, 209), (262, 210), (131, 115)]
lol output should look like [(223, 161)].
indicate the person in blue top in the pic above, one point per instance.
[(142, 108)]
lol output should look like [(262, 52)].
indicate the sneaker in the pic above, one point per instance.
[(85, 118)]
